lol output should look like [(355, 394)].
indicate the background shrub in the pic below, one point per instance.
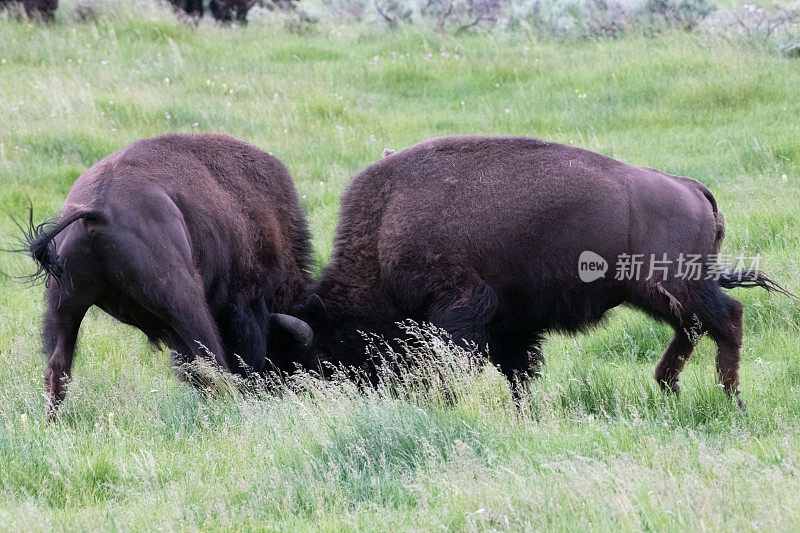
[(683, 14), (773, 25)]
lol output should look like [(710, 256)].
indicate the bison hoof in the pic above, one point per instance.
[(669, 385), (739, 401)]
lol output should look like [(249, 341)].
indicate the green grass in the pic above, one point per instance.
[(596, 445)]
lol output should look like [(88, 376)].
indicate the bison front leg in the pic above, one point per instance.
[(518, 357), (464, 310)]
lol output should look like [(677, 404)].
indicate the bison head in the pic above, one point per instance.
[(313, 334)]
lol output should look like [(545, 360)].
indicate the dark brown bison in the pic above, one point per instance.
[(197, 240), (482, 237), (222, 10), (227, 10), (44, 9), (193, 8)]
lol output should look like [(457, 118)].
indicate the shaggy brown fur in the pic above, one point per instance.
[(194, 239), (44, 9), (221, 10), (227, 10), (193, 8), (481, 237)]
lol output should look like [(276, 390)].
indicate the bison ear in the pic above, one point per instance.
[(298, 330)]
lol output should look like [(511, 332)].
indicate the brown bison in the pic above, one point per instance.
[(222, 10), (227, 10), (482, 237), (197, 240), (44, 9), (193, 8)]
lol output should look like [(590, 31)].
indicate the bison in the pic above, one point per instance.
[(221, 10), (227, 10), (193, 8), (197, 240), (482, 238), (44, 9)]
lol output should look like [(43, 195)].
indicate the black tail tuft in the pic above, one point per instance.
[(751, 278), (37, 242)]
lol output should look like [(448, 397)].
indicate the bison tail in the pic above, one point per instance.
[(751, 278), (719, 220), (37, 242)]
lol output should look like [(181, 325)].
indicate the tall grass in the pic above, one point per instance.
[(594, 445)]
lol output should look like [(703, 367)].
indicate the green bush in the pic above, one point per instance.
[(684, 14)]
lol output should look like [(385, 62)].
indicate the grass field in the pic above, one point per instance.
[(595, 445)]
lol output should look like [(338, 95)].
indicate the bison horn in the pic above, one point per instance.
[(296, 327)]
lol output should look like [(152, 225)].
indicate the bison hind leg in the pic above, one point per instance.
[(671, 364), (694, 309), (708, 310), (66, 307), (722, 318), (673, 302)]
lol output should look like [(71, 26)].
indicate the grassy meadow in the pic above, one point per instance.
[(594, 446)]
